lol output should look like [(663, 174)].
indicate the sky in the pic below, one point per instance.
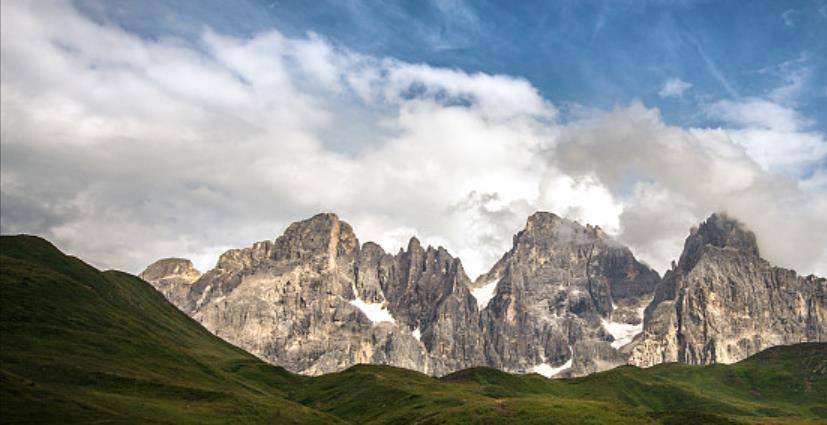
[(132, 131)]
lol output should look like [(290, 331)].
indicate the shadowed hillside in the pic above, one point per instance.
[(83, 346)]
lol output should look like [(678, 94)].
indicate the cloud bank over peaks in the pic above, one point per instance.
[(774, 135), (667, 177), (123, 150)]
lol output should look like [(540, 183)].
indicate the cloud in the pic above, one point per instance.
[(789, 17), (123, 150), (757, 113), (674, 87), (796, 75), (668, 178), (773, 135)]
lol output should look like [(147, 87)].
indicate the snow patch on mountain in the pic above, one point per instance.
[(376, 312), (549, 371), (485, 293), (623, 333)]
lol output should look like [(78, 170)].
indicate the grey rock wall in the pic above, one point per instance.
[(566, 300)]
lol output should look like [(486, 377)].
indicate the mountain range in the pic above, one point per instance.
[(566, 300), (84, 346)]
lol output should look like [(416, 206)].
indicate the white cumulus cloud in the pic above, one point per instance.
[(123, 150)]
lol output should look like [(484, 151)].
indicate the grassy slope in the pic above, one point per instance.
[(781, 385), (79, 345)]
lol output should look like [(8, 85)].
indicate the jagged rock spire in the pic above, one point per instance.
[(720, 231)]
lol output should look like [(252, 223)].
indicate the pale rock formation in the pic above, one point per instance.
[(556, 286), (301, 302), (172, 277), (722, 302), (565, 300)]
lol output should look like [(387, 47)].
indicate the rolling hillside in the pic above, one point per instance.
[(84, 346)]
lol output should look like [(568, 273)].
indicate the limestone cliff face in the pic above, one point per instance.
[(172, 277), (560, 292), (429, 291), (722, 302), (305, 302), (565, 300)]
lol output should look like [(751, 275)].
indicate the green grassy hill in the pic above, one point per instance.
[(82, 346)]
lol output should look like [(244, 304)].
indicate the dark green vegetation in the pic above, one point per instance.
[(83, 346)]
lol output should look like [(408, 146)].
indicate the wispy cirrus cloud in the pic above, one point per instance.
[(674, 87), (789, 17)]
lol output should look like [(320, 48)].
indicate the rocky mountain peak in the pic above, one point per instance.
[(171, 267), (315, 301), (542, 219), (173, 277), (563, 290), (236, 259), (720, 231), (321, 236), (414, 244), (565, 300), (723, 303), (549, 229)]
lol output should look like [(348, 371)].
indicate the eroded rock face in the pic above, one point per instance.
[(566, 300), (722, 302), (304, 301), (559, 291), (172, 277), (429, 291)]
